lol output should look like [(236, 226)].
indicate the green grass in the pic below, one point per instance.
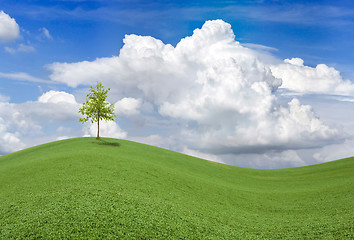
[(114, 189)]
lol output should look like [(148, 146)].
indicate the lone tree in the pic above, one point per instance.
[(96, 108)]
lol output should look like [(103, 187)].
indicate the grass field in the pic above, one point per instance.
[(116, 189)]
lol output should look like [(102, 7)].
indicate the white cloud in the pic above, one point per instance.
[(9, 131), (52, 117), (4, 98), (13, 118), (128, 106), (158, 141), (198, 154), (9, 29), (291, 127), (20, 76), (101, 69), (10, 142), (62, 138), (21, 48), (335, 151), (345, 99), (45, 33), (269, 160), (57, 97), (287, 158), (303, 79), (219, 96), (53, 106), (27, 124), (107, 129), (259, 47)]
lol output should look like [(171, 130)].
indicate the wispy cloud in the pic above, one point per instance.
[(4, 98), (45, 33), (259, 47), (299, 14), (21, 76), (140, 11), (21, 48)]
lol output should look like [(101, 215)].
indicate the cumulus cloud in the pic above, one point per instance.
[(9, 141), (59, 107), (107, 129), (291, 127), (101, 69), (9, 29), (53, 106), (12, 125), (209, 96), (57, 97), (13, 118), (220, 96), (128, 106), (27, 124), (319, 80)]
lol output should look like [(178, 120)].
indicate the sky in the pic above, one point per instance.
[(260, 84)]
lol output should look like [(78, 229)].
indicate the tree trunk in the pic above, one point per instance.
[(98, 128)]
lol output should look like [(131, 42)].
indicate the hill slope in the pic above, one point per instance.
[(84, 188)]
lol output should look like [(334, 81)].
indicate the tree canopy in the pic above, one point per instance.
[(96, 107)]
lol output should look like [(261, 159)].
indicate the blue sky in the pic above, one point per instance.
[(318, 32)]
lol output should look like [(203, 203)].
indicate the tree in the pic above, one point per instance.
[(96, 108)]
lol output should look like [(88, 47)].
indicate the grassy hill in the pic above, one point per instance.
[(116, 189)]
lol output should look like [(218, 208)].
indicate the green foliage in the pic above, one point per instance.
[(96, 108), (115, 189)]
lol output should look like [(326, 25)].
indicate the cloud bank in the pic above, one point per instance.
[(107, 129), (221, 96), (25, 124), (55, 113), (208, 96)]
